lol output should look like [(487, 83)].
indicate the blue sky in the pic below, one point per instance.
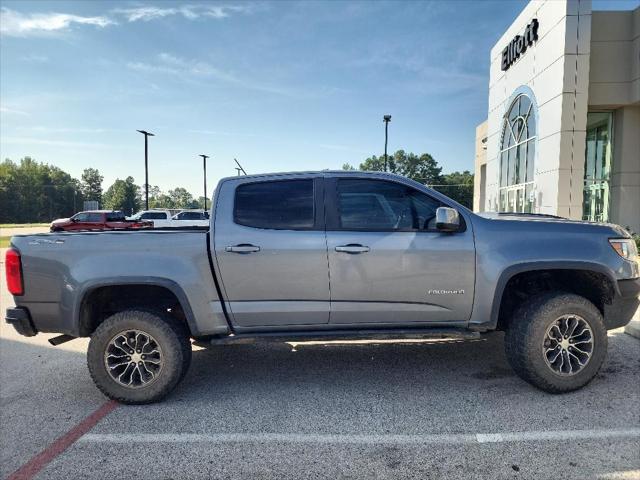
[(281, 86)]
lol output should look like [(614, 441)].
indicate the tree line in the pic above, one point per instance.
[(32, 192), (423, 168)]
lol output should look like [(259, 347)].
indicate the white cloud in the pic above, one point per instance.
[(35, 58), (145, 13), (190, 12), (13, 111), (172, 65), (28, 141), (43, 129), (17, 24)]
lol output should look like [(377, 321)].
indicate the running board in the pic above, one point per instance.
[(338, 335)]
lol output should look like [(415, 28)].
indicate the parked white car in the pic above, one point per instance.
[(160, 218), (198, 218), (169, 218)]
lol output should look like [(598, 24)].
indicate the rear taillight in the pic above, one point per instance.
[(13, 265)]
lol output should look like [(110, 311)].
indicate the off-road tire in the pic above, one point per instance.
[(525, 335), (171, 335)]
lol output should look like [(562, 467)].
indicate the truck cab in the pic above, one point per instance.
[(377, 255)]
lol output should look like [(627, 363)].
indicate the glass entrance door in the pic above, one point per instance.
[(597, 168), (516, 198)]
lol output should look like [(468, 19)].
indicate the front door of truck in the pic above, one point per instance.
[(388, 263), (271, 250)]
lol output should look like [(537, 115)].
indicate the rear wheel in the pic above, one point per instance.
[(557, 342), (138, 356)]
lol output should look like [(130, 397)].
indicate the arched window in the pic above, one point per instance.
[(517, 154)]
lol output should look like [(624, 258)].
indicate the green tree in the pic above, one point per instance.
[(200, 202), (92, 184), (376, 164), (36, 192), (123, 195), (177, 198), (156, 197), (181, 198), (458, 186), (423, 168)]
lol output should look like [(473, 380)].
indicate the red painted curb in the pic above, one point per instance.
[(37, 463)]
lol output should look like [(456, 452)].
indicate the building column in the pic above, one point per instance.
[(624, 186)]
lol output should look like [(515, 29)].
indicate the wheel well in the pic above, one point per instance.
[(103, 302), (594, 286)]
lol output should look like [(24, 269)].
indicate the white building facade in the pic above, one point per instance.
[(563, 127)]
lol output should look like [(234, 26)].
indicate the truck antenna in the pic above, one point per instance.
[(240, 169)]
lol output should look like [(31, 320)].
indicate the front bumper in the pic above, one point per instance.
[(21, 321), (623, 306)]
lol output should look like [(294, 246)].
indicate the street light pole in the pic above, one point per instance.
[(204, 168), (386, 119), (146, 167)]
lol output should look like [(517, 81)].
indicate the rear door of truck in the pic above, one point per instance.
[(271, 252)]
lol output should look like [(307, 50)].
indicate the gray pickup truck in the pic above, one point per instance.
[(328, 255)]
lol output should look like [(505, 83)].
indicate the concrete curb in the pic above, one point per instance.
[(633, 328)]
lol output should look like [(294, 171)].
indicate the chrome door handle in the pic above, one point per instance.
[(242, 248), (352, 248)]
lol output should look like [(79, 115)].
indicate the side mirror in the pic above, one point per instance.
[(447, 219)]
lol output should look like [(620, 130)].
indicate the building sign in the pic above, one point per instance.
[(519, 44)]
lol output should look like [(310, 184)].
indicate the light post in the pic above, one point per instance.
[(204, 168), (386, 119), (146, 167)]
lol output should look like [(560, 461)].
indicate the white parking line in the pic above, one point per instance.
[(479, 438)]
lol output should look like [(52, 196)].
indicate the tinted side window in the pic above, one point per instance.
[(114, 217), (94, 218), (189, 216), (284, 205), (381, 205), (153, 216)]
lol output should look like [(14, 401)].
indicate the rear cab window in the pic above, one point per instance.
[(277, 204)]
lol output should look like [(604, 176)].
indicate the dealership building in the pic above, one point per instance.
[(562, 135)]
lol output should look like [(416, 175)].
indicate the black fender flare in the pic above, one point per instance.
[(510, 272), (170, 285)]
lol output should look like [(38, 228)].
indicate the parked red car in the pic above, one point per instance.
[(97, 220)]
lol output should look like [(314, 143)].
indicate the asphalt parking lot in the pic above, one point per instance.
[(398, 410)]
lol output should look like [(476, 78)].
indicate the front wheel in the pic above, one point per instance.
[(556, 342), (138, 356)]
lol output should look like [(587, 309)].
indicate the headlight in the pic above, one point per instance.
[(625, 247)]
